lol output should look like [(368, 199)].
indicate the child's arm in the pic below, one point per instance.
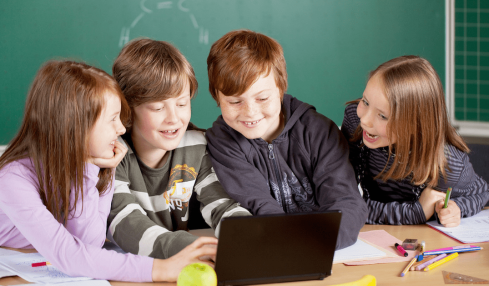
[(88, 223), (20, 201), (215, 201), (395, 213), (133, 230), (334, 178), (470, 191), (242, 180)]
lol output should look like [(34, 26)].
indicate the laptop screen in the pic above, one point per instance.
[(276, 248)]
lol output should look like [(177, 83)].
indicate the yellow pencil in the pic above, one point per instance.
[(441, 261), (409, 266)]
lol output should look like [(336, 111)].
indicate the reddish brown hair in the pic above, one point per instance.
[(418, 120), (239, 58), (63, 104), (149, 71)]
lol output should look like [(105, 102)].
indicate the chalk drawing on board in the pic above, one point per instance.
[(203, 34)]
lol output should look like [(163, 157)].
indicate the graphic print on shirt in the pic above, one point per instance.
[(180, 186), (298, 195), (302, 193)]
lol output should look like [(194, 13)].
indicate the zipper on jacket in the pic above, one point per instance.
[(271, 156)]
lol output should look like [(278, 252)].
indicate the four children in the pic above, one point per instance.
[(271, 152)]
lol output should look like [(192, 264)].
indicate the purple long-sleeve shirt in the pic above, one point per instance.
[(75, 249)]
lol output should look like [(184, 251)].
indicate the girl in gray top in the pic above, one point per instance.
[(405, 152)]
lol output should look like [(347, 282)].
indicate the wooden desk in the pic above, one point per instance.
[(474, 264)]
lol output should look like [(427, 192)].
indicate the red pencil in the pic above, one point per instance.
[(38, 264)]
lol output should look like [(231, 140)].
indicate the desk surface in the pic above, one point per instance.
[(474, 264)]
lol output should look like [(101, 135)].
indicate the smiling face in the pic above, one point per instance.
[(106, 129), (257, 112), (374, 113), (159, 126)]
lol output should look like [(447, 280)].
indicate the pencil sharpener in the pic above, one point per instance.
[(410, 244)]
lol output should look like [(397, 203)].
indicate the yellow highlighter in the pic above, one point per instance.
[(440, 262)]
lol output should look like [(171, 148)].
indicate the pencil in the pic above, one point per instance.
[(447, 197), (440, 262), (409, 266)]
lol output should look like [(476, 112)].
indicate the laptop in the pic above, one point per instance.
[(276, 248)]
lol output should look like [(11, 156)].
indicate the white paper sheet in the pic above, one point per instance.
[(5, 252), (77, 283), (472, 229), (5, 272), (358, 251), (21, 265)]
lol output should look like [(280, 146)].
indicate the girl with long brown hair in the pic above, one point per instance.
[(56, 178), (404, 150)]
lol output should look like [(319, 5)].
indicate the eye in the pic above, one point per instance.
[(182, 104), (235, 102), (263, 99), (365, 101), (383, 117)]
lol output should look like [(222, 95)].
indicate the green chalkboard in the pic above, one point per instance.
[(472, 60), (329, 45)]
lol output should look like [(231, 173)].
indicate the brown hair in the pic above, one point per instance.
[(64, 102), (149, 71), (239, 58), (418, 120)]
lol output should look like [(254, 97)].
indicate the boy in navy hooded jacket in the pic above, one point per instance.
[(272, 152)]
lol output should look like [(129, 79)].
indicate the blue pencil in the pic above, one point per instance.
[(452, 250)]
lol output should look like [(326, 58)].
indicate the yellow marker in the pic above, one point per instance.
[(440, 262)]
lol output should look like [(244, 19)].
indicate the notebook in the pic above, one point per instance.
[(276, 248)]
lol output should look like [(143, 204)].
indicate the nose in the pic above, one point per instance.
[(366, 119), (120, 129), (171, 115), (250, 109)]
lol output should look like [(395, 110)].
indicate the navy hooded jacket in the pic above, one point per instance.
[(306, 168)]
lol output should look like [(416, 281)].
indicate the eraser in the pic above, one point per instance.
[(410, 244)]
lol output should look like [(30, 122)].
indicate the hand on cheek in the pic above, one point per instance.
[(119, 153), (449, 217)]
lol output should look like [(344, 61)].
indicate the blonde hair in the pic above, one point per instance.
[(418, 120)]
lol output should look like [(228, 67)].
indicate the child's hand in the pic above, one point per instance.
[(168, 269), (119, 153), (449, 217), (428, 199)]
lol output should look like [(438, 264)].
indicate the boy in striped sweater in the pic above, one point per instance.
[(166, 161)]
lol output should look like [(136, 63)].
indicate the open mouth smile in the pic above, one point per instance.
[(251, 123)]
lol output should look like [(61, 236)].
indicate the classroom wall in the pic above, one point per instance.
[(330, 46)]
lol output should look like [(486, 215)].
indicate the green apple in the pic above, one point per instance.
[(197, 274)]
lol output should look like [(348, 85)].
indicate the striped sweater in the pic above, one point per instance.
[(150, 207), (396, 202)]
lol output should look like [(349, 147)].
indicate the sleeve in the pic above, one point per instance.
[(334, 179), (395, 213), (88, 221), (471, 191), (133, 230), (241, 179), (21, 202), (216, 204)]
